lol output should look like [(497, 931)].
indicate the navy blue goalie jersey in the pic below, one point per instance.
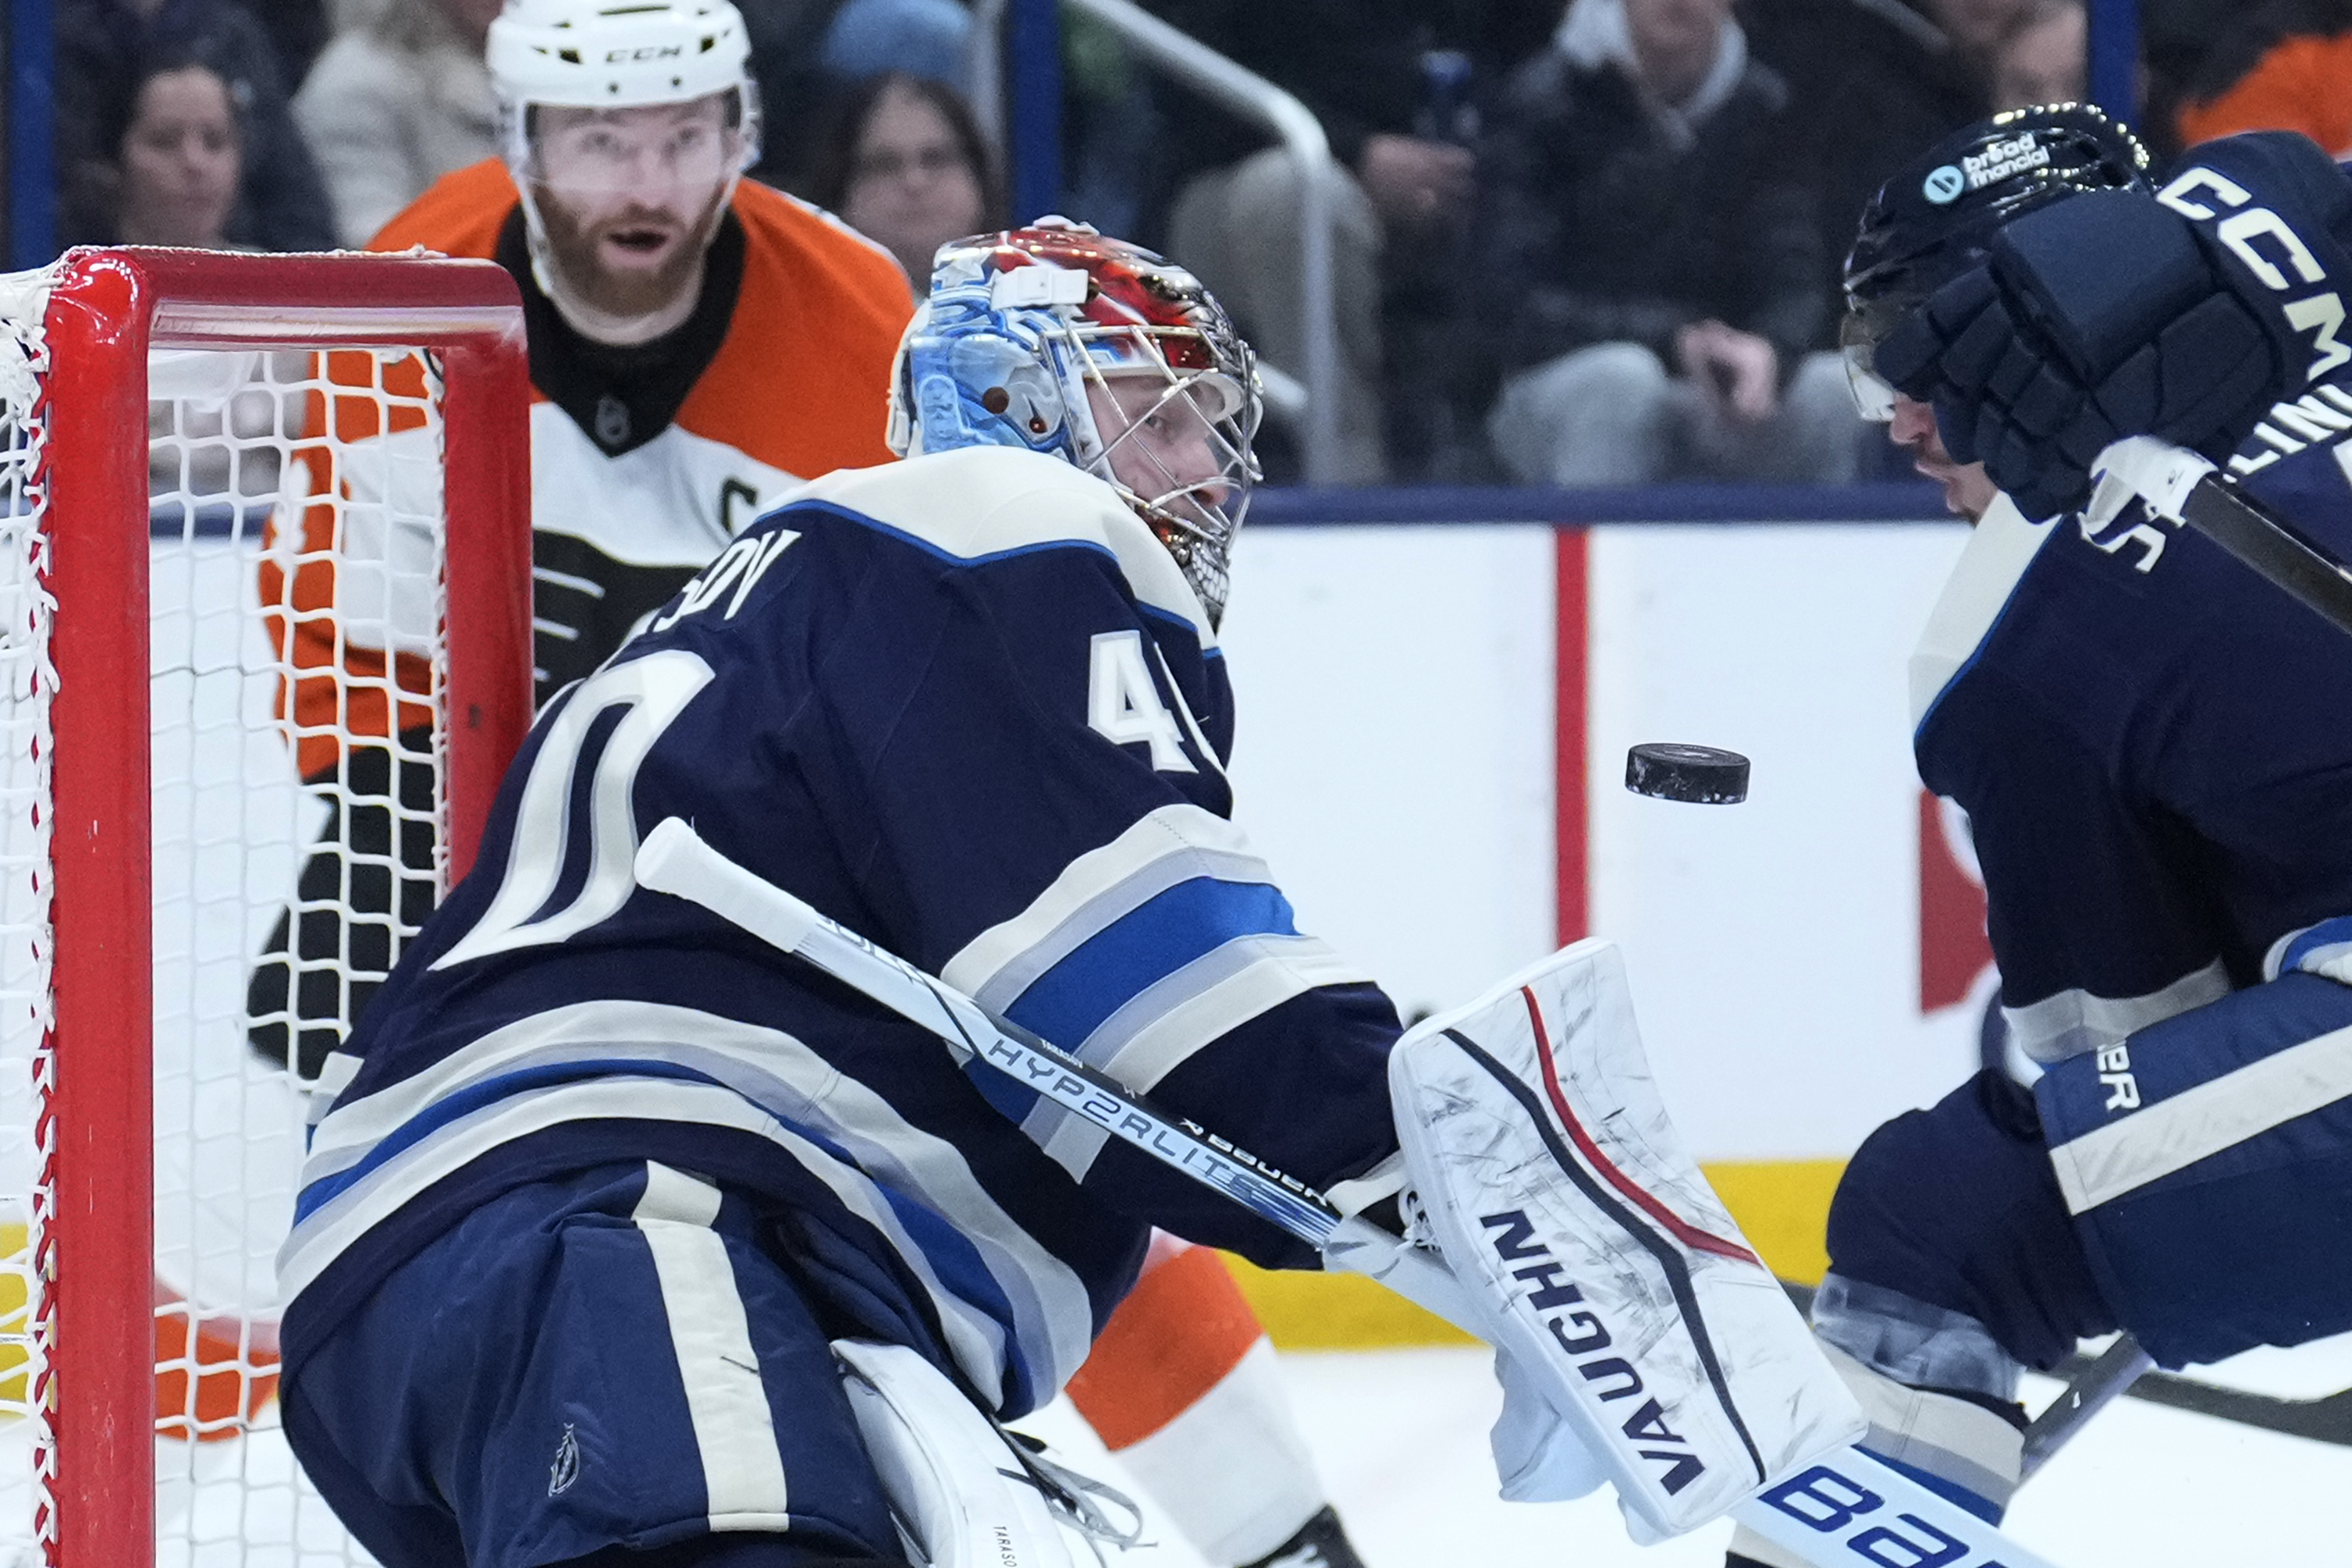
[(2154, 748), (968, 706)]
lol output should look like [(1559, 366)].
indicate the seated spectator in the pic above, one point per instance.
[(280, 203), (177, 157), (396, 103), (806, 53), (1357, 64), (1655, 273), (2282, 65), (1977, 28), (2044, 59), (902, 163)]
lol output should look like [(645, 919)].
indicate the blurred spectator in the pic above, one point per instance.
[(1656, 271), (902, 163), (1871, 83), (396, 103), (2177, 38), (298, 30), (2282, 65), (1977, 28), (805, 53), (177, 156), (2045, 59), (280, 203), (1357, 65)]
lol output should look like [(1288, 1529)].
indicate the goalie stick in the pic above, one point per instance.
[(1846, 1505)]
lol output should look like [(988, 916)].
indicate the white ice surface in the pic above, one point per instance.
[(1400, 1437)]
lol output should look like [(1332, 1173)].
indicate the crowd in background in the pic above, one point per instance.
[(1588, 245)]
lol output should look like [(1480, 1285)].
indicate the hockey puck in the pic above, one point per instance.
[(1668, 769)]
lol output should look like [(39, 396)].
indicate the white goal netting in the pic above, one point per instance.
[(296, 754)]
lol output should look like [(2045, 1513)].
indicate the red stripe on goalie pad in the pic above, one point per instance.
[(1689, 1234)]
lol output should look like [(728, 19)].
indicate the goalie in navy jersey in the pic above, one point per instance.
[(2154, 748), (601, 1176)]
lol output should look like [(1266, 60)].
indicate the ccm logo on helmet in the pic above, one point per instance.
[(647, 52), (2319, 315), (1583, 1336)]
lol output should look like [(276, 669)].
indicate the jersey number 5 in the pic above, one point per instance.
[(651, 693)]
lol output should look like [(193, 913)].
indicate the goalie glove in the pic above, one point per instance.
[(1638, 1338)]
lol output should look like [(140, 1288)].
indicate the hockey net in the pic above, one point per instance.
[(227, 485)]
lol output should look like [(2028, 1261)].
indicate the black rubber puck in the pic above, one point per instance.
[(1668, 769)]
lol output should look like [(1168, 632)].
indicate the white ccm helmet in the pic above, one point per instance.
[(615, 54)]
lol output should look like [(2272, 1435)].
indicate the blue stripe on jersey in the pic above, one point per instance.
[(1169, 930), (460, 1103), (960, 1267)]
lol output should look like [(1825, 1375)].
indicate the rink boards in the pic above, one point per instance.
[(1431, 747)]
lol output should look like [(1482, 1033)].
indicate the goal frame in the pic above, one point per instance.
[(106, 310)]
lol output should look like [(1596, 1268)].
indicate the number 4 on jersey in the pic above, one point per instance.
[(1123, 705)]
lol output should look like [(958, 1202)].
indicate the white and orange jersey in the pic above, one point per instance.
[(645, 460)]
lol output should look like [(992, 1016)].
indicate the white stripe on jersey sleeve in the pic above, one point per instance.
[(1146, 1040), (2075, 1021), (2158, 1139), (1171, 845), (1184, 1012)]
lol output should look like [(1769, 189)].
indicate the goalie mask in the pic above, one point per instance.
[(1057, 339), (1937, 218)]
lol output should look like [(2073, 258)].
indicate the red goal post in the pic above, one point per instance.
[(88, 439)]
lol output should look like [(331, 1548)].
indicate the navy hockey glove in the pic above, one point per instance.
[(2115, 314), (2095, 317)]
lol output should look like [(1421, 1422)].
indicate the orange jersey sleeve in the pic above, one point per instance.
[(2304, 84), (802, 381), (339, 690)]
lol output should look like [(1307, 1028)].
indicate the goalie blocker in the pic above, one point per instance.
[(1638, 1337)]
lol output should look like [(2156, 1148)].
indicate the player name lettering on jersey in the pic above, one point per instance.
[(741, 565), (2114, 1072), (1590, 1337)]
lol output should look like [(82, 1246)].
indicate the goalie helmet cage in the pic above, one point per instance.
[(82, 516)]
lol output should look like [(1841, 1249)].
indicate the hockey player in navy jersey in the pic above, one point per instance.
[(2154, 748), (600, 1176)]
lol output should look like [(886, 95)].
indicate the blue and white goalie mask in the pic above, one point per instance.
[(1055, 339)]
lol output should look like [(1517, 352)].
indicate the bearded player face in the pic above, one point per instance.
[(629, 198)]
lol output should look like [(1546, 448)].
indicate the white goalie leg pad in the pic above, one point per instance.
[(959, 1495), (1609, 1276)]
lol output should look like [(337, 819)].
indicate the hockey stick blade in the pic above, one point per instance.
[(676, 860), (2180, 486)]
